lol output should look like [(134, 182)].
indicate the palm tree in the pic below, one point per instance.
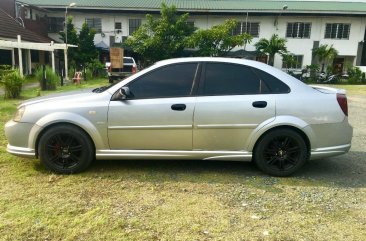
[(325, 54), (275, 45)]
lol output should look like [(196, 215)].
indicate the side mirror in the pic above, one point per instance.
[(125, 93)]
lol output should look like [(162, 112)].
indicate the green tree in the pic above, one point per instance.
[(271, 47), (72, 38), (163, 37), (325, 54), (218, 40), (86, 51), (289, 61)]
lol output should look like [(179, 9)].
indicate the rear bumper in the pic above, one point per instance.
[(329, 151), (331, 139)]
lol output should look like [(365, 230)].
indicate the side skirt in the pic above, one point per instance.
[(162, 154)]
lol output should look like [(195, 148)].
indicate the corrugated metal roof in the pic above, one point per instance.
[(9, 29), (212, 5)]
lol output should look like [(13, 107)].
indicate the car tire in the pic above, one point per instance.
[(66, 149), (281, 152)]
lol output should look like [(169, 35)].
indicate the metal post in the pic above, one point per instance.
[(62, 79), (53, 58), (65, 52), (20, 57), (12, 58), (29, 61), (44, 78)]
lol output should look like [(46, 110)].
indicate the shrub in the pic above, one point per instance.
[(97, 68), (355, 75), (12, 82), (51, 78)]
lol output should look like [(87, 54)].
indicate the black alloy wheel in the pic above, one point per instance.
[(281, 152), (65, 149)]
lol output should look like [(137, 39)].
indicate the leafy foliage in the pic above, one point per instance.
[(271, 47), (218, 40), (97, 68), (163, 37), (289, 60), (86, 51), (325, 54), (354, 75), (72, 38), (12, 81), (313, 70), (51, 77)]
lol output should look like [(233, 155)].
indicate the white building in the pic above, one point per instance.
[(305, 24)]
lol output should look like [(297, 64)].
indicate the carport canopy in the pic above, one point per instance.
[(50, 47)]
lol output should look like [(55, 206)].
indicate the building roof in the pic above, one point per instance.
[(10, 28), (230, 6)]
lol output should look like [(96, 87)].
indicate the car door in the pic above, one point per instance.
[(159, 116), (231, 104)]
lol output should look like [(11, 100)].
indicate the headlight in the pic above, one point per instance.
[(19, 114)]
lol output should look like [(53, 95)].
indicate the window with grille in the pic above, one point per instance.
[(298, 30), (117, 25), (133, 25), (297, 63), (337, 30), (55, 25), (95, 23), (251, 28), (247, 27)]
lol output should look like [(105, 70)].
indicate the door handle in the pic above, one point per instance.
[(179, 107), (259, 104)]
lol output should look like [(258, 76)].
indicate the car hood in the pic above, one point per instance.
[(64, 96)]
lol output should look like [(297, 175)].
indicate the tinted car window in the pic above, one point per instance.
[(127, 60), (275, 85), (169, 81), (230, 79)]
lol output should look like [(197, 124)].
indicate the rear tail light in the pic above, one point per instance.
[(342, 101), (134, 69)]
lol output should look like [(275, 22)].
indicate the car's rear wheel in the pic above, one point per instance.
[(281, 152), (65, 149)]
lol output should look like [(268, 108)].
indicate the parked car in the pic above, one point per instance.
[(189, 108), (129, 68)]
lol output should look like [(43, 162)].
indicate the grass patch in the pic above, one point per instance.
[(352, 89), (169, 200)]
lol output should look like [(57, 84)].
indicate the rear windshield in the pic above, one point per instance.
[(127, 61)]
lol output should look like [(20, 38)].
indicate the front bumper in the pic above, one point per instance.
[(21, 151), (21, 141)]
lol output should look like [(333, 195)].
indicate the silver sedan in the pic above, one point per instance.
[(189, 108)]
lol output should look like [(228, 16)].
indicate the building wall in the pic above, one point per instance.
[(346, 48)]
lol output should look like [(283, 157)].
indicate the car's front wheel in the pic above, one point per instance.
[(65, 149), (281, 152)]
